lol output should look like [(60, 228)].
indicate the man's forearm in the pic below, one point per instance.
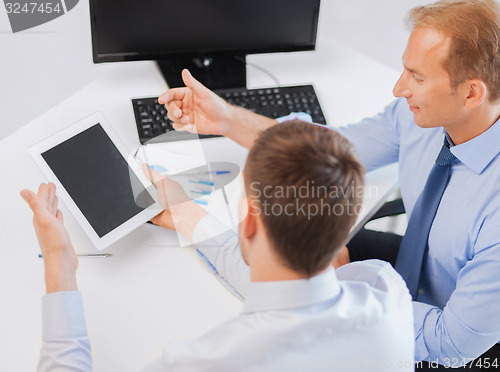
[(59, 281), (245, 126)]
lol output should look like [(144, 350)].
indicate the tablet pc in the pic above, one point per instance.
[(97, 179)]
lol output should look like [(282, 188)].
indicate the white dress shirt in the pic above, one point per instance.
[(356, 318)]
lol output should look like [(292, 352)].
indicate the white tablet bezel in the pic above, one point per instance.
[(100, 242)]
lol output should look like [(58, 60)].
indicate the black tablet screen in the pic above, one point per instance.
[(98, 179)]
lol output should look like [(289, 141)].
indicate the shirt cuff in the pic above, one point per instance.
[(62, 316), (420, 313), (295, 116)]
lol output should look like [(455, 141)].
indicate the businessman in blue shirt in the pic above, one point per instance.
[(444, 130)]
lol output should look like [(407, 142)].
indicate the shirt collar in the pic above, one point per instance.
[(478, 152), (287, 294)]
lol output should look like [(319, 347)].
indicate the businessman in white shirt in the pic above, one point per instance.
[(299, 312)]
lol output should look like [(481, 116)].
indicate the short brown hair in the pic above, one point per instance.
[(294, 168), (474, 29)]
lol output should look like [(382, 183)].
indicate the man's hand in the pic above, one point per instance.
[(197, 109), (181, 213), (58, 253)]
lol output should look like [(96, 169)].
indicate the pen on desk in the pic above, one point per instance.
[(104, 255)]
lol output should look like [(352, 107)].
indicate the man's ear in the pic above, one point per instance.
[(249, 223), (476, 93)]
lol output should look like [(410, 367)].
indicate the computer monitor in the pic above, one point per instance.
[(210, 37)]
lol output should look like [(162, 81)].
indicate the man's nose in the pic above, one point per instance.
[(401, 88)]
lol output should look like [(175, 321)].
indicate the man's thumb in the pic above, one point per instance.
[(191, 82), (30, 198)]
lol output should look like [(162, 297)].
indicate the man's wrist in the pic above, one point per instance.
[(244, 126), (60, 271), (233, 121), (62, 279)]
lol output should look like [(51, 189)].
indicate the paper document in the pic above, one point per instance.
[(215, 186)]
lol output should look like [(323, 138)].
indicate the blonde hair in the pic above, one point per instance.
[(474, 29)]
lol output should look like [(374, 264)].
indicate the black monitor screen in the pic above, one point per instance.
[(147, 29), (98, 179)]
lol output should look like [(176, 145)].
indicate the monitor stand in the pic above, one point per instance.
[(215, 72)]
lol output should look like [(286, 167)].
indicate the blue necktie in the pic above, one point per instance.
[(415, 242)]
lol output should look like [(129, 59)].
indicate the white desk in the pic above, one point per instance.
[(150, 291)]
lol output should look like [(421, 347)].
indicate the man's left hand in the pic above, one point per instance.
[(58, 254)]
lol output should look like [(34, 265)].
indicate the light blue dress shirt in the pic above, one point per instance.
[(358, 318), (457, 314)]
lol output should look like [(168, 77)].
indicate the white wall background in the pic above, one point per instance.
[(42, 66), (376, 28)]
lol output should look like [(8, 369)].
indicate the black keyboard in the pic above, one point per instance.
[(152, 121)]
